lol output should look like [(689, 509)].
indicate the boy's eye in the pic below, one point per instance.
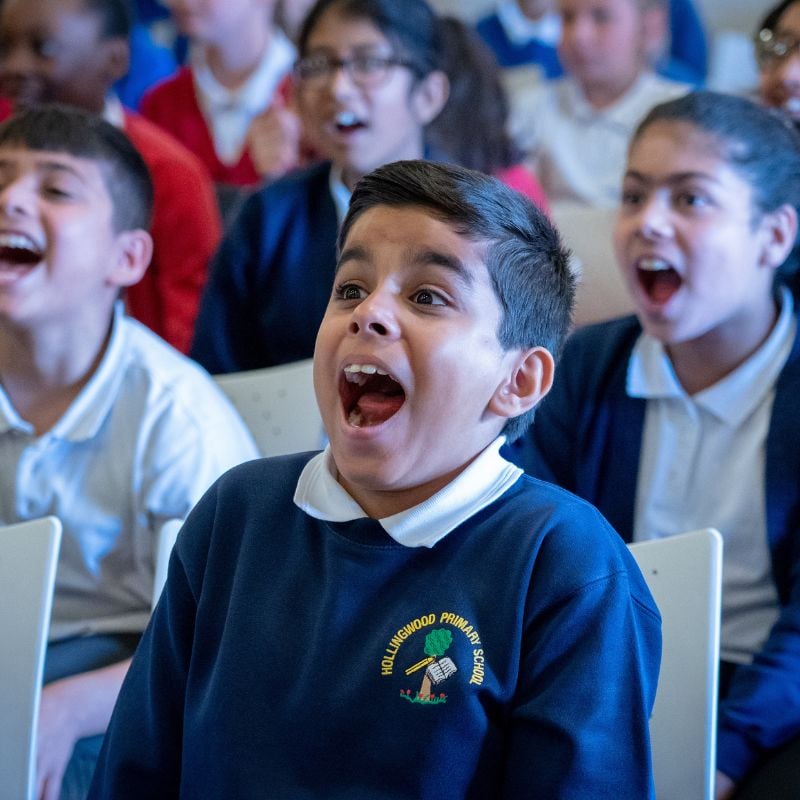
[(693, 200), (427, 297), (631, 197), (45, 48), (349, 291), (58, 192)]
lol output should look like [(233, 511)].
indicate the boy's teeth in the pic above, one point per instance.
[(367, 369), (17, 241), (653, 264), (346, 118), (792, 105)]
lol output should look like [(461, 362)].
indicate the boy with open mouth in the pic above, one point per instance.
[(404, 615)]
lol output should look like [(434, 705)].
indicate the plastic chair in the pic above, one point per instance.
[(167, 535), (601, 292), (278, 405), (684, 575), (28, 559)]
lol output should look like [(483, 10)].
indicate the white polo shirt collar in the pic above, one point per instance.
[(320, 495)]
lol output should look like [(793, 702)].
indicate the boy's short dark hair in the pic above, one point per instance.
[(116, 17), (63, 129), (527, 263)]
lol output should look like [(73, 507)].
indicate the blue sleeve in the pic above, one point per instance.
[(762, 709), (588, 674), (688, 37), (226, 336), (142, 750), (149, 63)]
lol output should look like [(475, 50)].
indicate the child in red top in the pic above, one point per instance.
[(227, 105)]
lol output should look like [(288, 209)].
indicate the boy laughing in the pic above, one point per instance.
[(404, 615)]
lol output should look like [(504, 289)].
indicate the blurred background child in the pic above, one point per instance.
[(685, 416), (472, 127), (576, 128), (777, 46), (101, 423), (72, 52), (368, 84), (225, 105)]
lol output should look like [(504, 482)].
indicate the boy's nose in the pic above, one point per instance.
[(15, 198), (374, 316), (15, 59), (654, 219), (340, 82), (788, 71)]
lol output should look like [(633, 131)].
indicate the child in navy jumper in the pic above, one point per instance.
[(686, 415), (404, 615)]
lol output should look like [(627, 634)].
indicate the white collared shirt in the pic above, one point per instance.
[(321, 496), (340, 193), (229, 112), (139, 445), (578, 151), (703, 463), (521, 29)]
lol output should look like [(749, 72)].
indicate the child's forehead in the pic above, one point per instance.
[(574, 6), (35, 13), (413, 239), (18, 159)]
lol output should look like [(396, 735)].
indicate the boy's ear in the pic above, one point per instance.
[(429, 96), (655, 32), (529, 381), (117, 56), (780, 231), (134, 250)]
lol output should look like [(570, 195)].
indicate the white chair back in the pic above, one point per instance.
[(601, 292), (167, 535), (28, 559), (278, 406), (684, 575)]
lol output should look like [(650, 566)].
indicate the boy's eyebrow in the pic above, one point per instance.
[(46, 166), (421, 258), (416, 258), (676, 178), (356, 253)]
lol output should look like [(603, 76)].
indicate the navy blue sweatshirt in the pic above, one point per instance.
[(294, 658)]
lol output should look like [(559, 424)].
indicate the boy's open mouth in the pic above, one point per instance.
[(347, 122), (369, 395), (659, 280), (18, 250)]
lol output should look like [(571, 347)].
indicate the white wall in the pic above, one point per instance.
[(739, 15)]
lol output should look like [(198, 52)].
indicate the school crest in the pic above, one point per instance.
[(428, 652)]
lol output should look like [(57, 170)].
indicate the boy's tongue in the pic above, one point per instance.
[(661, 285), (373, 408)]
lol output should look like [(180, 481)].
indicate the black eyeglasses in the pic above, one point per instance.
[(366, 71), (772, 48)]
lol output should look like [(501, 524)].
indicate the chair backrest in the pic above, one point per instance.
[(684, 574), (165, 541), (278, 406), (28, 559), (601, 293)]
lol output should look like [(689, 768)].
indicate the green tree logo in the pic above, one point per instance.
[(437, 668)]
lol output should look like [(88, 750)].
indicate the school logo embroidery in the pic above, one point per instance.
[(440, 662)]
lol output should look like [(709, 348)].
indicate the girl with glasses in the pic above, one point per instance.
[(368, 82)]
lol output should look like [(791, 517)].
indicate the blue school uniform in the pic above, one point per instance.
[(295, 657), (587, 438)]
